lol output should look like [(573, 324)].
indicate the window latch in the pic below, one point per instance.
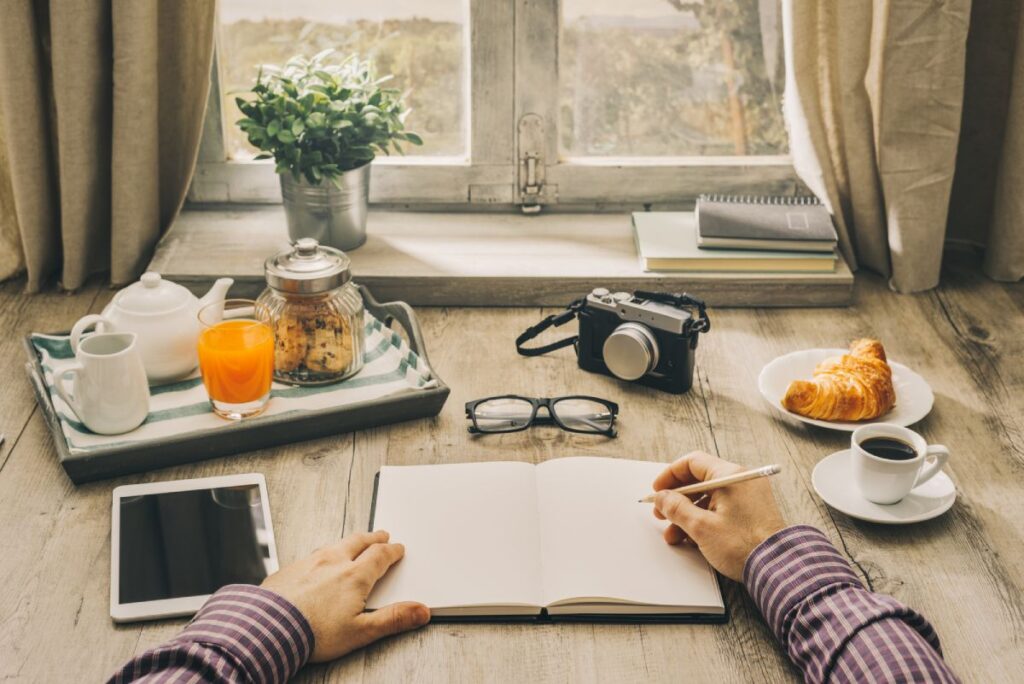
[(533, 191)]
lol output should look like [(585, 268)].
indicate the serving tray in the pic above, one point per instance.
[(255, 433)]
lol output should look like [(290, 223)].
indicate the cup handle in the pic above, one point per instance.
[(84, 324), (941, 454), (58, 385)]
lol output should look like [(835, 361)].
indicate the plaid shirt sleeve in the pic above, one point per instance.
[(242, 634), (833, 628)]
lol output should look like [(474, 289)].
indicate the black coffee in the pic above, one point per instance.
[(889, 448)]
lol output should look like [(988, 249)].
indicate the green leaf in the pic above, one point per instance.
[(285, 136), (298, 126), (273, 127), (413, 138), (318, 57), (263, 155)]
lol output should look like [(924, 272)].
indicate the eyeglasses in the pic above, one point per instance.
[(512, 413)]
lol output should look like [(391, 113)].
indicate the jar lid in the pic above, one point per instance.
[(308, 268)]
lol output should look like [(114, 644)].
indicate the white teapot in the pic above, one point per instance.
[(164, 317)]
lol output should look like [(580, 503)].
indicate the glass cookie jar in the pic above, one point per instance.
[(316, 313)]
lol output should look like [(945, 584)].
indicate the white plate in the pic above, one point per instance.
[(833, 481), (914, 396)]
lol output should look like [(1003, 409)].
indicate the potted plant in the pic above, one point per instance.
[(323, 124)]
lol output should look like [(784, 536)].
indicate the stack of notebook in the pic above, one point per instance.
[(739, 234)]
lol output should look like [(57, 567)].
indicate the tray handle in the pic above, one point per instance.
[(388, 312)]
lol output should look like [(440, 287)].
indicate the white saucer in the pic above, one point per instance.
[(914, 396), (833, 481)]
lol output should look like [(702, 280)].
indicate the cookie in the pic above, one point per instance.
[(291, 343), (330, 345)]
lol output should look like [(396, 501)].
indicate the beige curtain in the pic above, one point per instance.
[(1004, 258), (873, 104), (101, 109)]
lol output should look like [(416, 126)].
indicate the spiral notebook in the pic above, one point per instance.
[(796, 224), (565, 540)]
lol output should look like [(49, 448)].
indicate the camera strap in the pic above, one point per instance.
[(554, 320)]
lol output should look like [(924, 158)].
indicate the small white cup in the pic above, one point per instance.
[(885, 481), (110, 394)]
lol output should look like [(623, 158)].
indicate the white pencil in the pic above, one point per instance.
[(707, 485)]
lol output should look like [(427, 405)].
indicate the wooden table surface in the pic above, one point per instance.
[(963, 570)]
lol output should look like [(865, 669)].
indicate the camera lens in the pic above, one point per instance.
[(631, 351)]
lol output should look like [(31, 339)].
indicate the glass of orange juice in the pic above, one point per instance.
[(236, 357)]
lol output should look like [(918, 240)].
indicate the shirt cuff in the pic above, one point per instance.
[(263, 633), (789, 567)]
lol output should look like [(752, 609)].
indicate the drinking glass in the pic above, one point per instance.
[(236, 357)]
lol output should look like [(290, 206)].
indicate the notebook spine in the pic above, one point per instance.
[(761, 199)]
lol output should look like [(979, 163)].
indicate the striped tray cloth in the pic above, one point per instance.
[(391, 367)]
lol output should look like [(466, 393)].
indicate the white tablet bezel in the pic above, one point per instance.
[(185, 605)]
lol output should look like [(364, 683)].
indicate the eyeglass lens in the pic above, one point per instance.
[(502, 415), (583, 414)]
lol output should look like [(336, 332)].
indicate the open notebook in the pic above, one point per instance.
[(565, 539)]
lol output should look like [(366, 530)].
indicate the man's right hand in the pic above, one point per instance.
[(726, 525)]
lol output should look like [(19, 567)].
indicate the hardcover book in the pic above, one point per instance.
[(782, 223), (667, 241)]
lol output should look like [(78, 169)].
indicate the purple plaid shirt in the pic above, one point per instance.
[(832, 627)]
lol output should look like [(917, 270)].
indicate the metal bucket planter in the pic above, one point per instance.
[(332, 215)]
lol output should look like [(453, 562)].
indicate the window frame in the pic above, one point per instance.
[(512, 76)]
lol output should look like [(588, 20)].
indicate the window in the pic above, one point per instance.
[(426, 55), (671, 79), (531, 102)]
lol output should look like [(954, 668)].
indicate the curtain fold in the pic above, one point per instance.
[(1004, 258), (101, 104), (873, 106)]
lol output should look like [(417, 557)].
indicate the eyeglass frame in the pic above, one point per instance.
[(551, 419)]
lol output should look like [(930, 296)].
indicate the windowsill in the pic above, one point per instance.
[(482, 259)]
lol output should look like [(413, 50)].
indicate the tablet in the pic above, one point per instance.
[(174, 543)]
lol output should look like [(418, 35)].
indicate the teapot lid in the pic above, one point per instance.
[(152, 295), (308, 268)]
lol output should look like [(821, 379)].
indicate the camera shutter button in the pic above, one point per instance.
[(631, 351)]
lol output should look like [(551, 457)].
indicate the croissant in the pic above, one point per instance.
[(854, 386)]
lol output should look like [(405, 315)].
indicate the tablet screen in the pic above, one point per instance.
[(191, 543)]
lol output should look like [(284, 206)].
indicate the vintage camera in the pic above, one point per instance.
[(646, 337)]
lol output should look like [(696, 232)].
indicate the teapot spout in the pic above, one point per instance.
[(217, 293)]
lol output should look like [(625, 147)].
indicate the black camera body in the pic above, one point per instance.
[(648, 338)]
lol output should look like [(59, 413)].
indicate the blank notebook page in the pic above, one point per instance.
[(470, 532), (598, 543)]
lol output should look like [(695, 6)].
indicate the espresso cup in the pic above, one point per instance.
[(887, 480), (109, 392)]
